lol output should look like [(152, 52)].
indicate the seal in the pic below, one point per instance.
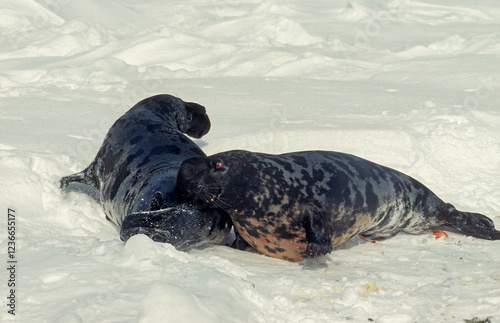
[(300, 205), (134, 171)]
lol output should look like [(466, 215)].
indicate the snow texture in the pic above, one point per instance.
[(413, 85)]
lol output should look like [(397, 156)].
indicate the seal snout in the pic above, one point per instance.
[(205, 196)]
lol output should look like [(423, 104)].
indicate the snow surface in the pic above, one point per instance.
[(413, 85)]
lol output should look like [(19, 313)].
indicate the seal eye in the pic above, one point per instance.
[(218, 166), (189, 117)]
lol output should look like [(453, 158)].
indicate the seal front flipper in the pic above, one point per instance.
[(156, 202), (183, 226), (318, 238), (473, 224), (240, 244)]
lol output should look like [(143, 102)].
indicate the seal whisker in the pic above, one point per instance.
[(220, 203)]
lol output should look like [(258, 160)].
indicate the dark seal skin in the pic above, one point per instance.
[(134, 171), (300, 205)]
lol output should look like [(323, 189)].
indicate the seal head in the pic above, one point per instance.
[(196, 122)]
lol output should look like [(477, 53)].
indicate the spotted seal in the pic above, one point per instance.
[(134, 171), (299, 205)]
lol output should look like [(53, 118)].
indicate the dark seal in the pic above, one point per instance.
[(302, 204), (134, 171)]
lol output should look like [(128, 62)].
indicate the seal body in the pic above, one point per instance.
[(299, 205), (133, 174)]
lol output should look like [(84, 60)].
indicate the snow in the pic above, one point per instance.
[(413, 85)]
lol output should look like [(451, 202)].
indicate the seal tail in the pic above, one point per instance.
[(472, 224)]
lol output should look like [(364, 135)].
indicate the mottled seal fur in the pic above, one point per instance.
[(135, 169), (299, 205)]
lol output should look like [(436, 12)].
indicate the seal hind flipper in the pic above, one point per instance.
[(86, 177), (83, 182), (73, 178), (472, 224)]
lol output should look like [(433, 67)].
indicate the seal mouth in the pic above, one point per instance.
[(202, 202)]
